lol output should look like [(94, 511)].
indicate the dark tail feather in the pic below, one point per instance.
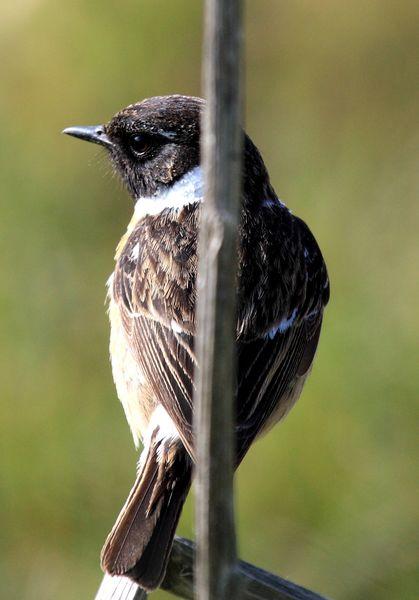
[(141, 539)]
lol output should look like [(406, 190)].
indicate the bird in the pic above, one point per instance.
[(282, 289)]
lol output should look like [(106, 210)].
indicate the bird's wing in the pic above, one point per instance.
[(275, 356), (153, 286), (269, 367), (167, 360)]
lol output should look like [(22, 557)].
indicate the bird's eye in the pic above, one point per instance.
[(140, 143)]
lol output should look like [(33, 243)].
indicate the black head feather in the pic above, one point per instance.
[(155, 142)]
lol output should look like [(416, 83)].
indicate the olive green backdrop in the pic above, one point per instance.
[(328, 498)]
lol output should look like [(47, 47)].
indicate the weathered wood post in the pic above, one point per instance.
[(216, 312)]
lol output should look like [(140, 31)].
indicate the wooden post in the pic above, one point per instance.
[(216, 311), (255, 583)]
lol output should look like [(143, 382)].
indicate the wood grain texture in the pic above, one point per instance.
[(216, 310)]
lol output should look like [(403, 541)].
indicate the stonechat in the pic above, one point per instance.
[(282, 290)]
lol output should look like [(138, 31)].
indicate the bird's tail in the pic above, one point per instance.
[(141, 539)]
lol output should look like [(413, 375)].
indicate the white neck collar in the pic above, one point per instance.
[(187, 190)]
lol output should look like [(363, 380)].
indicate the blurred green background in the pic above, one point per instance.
[(328, 498)]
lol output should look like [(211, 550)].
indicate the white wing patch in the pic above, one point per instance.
[(135, 252), (285, 324), (176, 327), (269, 203)]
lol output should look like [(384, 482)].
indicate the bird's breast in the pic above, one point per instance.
[(131, 385)]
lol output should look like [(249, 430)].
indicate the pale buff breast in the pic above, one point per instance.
[(129, 380)]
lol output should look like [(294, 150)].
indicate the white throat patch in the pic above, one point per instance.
[(189, 189)]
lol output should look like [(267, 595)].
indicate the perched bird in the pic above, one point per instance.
[(282, 289)]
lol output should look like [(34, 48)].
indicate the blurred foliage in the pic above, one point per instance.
[(328, 498)]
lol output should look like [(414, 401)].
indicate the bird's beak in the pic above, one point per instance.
[(90, 133)]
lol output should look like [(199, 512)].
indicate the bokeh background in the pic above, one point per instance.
[(328, 498)]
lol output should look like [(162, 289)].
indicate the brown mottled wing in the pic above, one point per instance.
[(167, 361), (154, 287)]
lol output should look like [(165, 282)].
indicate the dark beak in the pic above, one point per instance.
[(90, 133)]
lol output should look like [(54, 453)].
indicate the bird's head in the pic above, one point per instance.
[(152, 144)]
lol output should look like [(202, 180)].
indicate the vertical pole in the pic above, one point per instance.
[(216, 312)]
